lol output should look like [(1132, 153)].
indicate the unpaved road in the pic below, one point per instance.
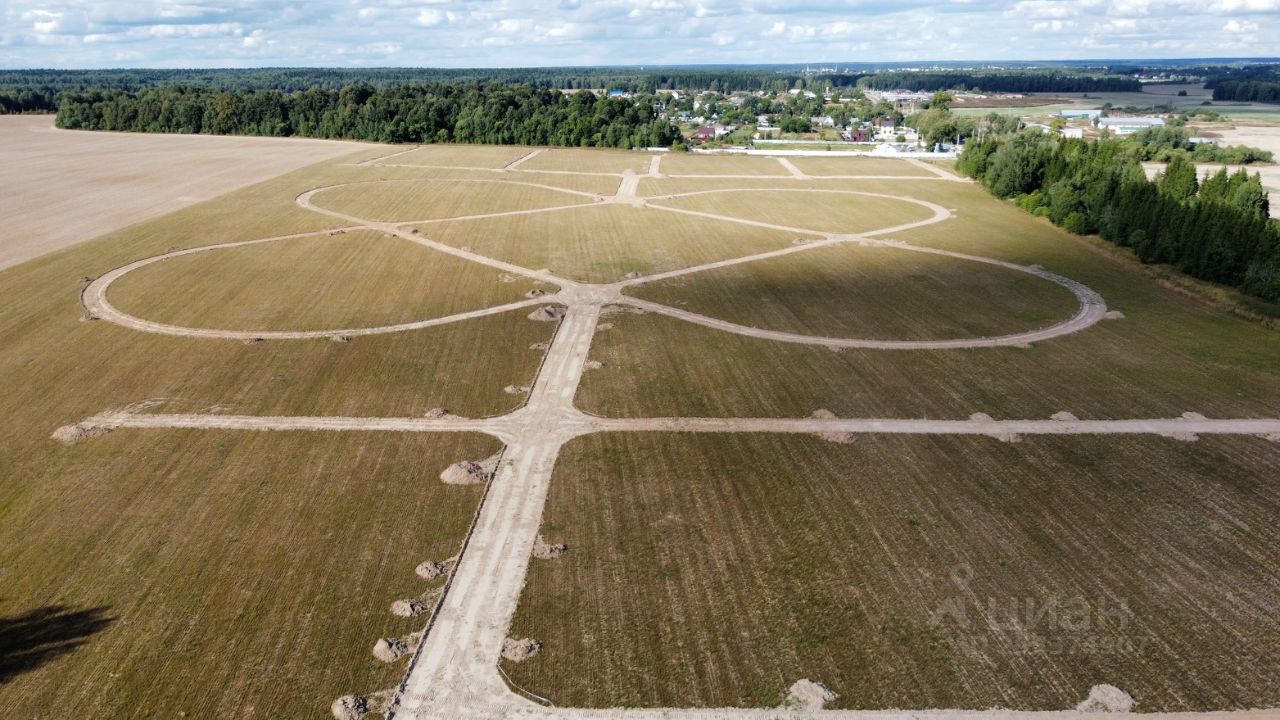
[(454, 673), (60, 187)]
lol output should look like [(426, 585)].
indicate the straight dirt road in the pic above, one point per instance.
[(59, 187)]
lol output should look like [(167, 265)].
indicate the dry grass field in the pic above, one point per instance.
[(477, 156), (590, 160), (691, 164), (907, 572), (806, 209), (820, 166), (61, 187), (241, 575), (229, 573), (406, 200), (1170, 354), (603, 243), (881, 293), (352, 280)]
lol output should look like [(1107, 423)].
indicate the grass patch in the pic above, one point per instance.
[(408, 200), (858, 166), (353, 280), (478, 156), (820, 212), (907, 572), (589, 160), (697, 164)]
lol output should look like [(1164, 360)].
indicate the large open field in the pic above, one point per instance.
[(63, 187), (854, 423)]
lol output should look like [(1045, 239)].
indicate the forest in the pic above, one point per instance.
[(437, 112), (1247, 91), (1010, 82), (1217, 230)]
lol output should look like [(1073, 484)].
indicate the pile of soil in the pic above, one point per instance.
[(430, 569), (843, 438), (516, 389), (253, 341), (540, 346), (1063, 416), (340, 338), (471, 472), (633, 275), (808, 695), (535, 293), (604, 326), (1192, 416), (1113, 315), (409, 607), (350, 707), (436, 413), (520, 650), (507, 278), (389, 650), (593, 365), (611, 310), (70, 434), (544, 550), (1107, 698), (981, 417), (548, 313)]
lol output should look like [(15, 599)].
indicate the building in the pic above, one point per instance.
[(1090, 115), (711, 132), (1072, 132), (1129, 125)]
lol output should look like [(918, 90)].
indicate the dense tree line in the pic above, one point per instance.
[(1163, 144), (1247, 91), (27, 100), (438, 112), (1217, 230), (1012, 82)]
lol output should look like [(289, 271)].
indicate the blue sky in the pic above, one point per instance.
[(493, 33)]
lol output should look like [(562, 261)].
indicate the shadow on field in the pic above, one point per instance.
[(37, 636)]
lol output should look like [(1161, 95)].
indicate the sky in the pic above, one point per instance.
[(523, 33)]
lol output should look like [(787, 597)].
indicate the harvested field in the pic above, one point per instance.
[(1170, 353), (63, 187), (604, 243), (818, 211), (589, 160), (874, 292), (718, 570), (352, 280), (858, 166), (481, 156), (406, 200), (697, 164), (259, 565)]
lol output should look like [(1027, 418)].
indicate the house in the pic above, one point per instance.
[(1072, 132), (762, 122), (1129, 125), (711, 132), (822, 121)]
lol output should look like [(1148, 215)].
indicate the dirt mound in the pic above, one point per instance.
[(1106, 698), (593, 365), (70, 434), (843, 438), (809, 695), (981, 417), (542, 346), (389, 650), (520, 650), (350, 707), (1192, 416), (516, 389), (1183, 436), (611, 310), (340, 338), (467, 248), (436, 413), (1273, 437), (471, 472), (535, 293), (430, 569), (633, 275), (544, 550), (604, 326), (253, 341), (1063, 416), (548, 313), (507, 278), (1113, 315), (409, 607)]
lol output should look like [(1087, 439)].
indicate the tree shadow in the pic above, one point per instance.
[(37, 636)]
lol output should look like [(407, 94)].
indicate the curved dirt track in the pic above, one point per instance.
[(454, 673)]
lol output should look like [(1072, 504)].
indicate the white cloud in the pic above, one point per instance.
[(95, 33)]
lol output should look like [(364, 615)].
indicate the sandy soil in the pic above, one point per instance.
[(59, 187)]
